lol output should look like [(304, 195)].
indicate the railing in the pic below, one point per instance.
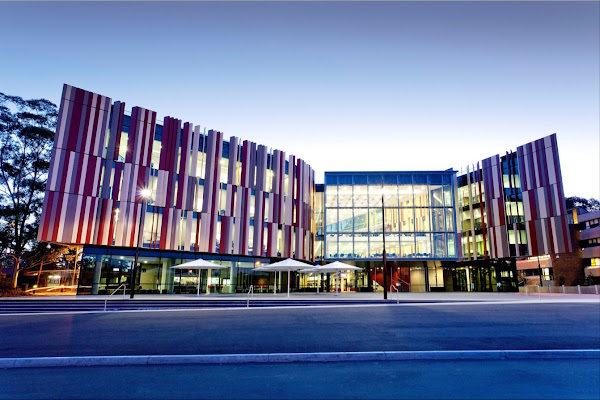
[(392, 288), (562, 289), (539, 291), (123, 285), (250, 294), (406, 283)]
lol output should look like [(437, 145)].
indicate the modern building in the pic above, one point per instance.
[(513, 217), (118, 182), (125, 186), (587, 226)]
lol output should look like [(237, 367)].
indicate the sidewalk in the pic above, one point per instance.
[(350, 296)]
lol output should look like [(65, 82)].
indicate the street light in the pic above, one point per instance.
[(384, 259), (145, 195), (540, 272)]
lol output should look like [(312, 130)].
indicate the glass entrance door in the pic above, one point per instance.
[(460, 280)]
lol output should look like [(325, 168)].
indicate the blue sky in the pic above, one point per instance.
[(345, 86)]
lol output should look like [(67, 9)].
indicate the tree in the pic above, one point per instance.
[(26, 137), (45, 254), (588, 205)]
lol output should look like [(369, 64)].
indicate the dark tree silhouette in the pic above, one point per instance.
[(26, 136), (589, 205)]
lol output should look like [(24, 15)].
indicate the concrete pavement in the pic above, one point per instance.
[(487, 379), (459, 330), (472, 326), (392, 296)]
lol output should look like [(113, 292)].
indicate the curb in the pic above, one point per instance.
[(88, 361)]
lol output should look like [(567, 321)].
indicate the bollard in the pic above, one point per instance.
[(579, 289), (596, 287), (563, 289), (549, 289)]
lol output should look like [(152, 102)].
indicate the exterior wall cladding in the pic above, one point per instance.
[(514, 205), (201, 199), (508, 206)]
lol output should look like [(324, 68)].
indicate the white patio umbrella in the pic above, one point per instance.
[(313, 270), (337, 267), (199, 264), (285, 265)]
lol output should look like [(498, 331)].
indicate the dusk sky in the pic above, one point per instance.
[(344, 86)]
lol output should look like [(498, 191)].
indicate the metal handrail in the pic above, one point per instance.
[(406, 283), (538, 288), (392, 288), (123, 285), (250, 294)]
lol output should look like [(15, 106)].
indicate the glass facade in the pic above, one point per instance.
[(104, 269), (411, 212)]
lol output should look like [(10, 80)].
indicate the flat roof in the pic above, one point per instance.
[(447, 171)]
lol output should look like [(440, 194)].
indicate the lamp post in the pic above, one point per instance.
[(540, 272), (145, 194), (384, 259)]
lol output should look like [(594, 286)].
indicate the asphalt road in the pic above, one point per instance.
[(379, 328), (523, 379)]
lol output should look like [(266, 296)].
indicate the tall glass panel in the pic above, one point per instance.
[(376, 246), (391, 219), (423, 245), (437, 195), (407, 218), (448, 194), (331, 249), (149, 274), (331, 195), (405, 195), (345, 220), (407, 245), (451, 241), (439, 245), (345, 246), (361, 198), (331, 220), (390, 196), (437, 220), (449, 219), (422, 220), (361, 245), (421, 196), (392, 245), (375, 220), (375, 193), (345, 196), (319, 212), (361, 219)]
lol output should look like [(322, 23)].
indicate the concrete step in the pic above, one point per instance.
[(41, 306)]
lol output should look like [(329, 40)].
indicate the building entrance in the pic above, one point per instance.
[(481, 276), (473, 279)]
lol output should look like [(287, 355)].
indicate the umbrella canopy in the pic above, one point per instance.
[(314, 270), (285, 265), (336, 267), (199, 264)]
